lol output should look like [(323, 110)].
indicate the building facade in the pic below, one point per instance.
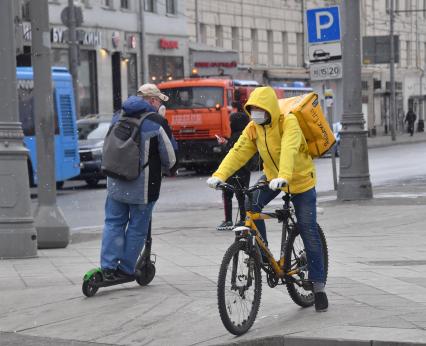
[(122, 43), (410, 27), (269, 38), (126, 42)]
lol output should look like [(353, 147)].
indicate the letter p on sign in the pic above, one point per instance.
[(323, 24)]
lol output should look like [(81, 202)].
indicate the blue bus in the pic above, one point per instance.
[(67, 160)]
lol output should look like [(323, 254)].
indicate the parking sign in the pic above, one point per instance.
[(323, 24)]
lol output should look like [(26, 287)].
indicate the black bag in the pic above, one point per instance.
[(121, 154)]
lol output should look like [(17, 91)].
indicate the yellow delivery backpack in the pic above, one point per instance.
[(314, 125)]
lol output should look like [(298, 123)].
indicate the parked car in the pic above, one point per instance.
[(91, 134)]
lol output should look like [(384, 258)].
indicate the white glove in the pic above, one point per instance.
[(277, 183), (213, 182)]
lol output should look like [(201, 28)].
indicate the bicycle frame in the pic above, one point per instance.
[(250, 230)]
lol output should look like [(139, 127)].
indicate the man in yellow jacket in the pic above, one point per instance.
[(287, 166)]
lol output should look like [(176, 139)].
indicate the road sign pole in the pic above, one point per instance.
[(52, 230), (18, 237), (354, 175), (329, 99)]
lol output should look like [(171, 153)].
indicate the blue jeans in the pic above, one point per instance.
[(126, 227), (306, 215)]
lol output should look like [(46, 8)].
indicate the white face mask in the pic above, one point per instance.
[(259, 117), (162, 111)]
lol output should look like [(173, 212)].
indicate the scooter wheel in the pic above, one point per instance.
[(145, 274), (88, 288)]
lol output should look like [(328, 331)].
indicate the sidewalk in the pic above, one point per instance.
[(400, 138), (376, 285)]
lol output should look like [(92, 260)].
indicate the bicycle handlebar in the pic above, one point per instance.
[(244, 190)]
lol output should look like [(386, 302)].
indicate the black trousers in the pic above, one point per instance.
[(241, 179)]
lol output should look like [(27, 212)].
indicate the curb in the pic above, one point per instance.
[(287, 340), (389, 142)]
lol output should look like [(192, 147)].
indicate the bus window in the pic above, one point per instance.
[(26, 112), (194, 97)]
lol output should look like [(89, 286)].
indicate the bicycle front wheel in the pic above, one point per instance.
[(239, 289), (295, 259)]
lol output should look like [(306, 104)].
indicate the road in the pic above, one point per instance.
[(83, 207)]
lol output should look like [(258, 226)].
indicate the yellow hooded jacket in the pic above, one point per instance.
[(280, 143)]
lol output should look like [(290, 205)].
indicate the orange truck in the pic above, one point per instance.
[(198, 112)]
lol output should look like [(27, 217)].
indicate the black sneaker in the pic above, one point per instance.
[(120, 274), (321, 302), (108, 274), (225, 226)]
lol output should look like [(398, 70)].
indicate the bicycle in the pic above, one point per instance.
[(250, 254)]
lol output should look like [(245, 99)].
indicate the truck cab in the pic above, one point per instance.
[(198, 111)]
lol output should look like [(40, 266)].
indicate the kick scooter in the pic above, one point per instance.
[(145, 272)]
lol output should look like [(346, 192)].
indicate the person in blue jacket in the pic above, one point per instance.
[(129, 204)]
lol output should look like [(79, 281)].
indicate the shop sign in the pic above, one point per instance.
[(59, 35), (92, 38), (168, 44), (115, 39), (207, 64)]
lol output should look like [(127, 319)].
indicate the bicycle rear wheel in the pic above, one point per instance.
[(239, 289), (295, 258)]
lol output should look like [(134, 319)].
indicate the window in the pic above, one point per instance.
[(194, 97), (124, 4), (149, 5), (254, 46), (219, 36), (170, 7), (203, 33), (408, 7), (163, 68), (408, 50), (236, 38), (270, 37), (26, 108), (284, 39), (26, 12)]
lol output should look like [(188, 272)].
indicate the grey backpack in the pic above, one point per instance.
[(121, 154)]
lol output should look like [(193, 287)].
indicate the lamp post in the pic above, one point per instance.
[(52, 230), (18, 237), (354, 183)]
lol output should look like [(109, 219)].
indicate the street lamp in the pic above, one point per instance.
[(354, 181)]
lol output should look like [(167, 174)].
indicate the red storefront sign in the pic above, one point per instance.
[(168, 44), (206, 64)]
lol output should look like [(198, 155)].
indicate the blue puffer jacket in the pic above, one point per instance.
[(156, 149)]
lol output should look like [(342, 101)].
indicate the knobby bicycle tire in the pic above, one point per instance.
[(231, 258), (301, 298)]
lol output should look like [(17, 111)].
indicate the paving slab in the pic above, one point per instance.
[(376, 284)]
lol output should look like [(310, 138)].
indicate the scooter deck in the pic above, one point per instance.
[(112, 283)]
